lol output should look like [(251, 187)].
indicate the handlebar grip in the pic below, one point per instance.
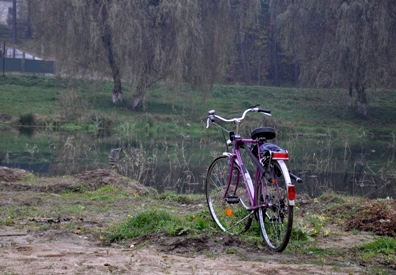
[(264, 111), (211, 114)]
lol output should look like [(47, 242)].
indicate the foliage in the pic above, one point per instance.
[(281, 43), (145, 41), (26, 119), (327, 42)]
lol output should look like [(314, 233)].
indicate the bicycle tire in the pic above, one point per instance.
[(229, 214), (275, 220)]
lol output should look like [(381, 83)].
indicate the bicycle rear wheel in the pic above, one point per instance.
[(276, 220), (228, 208)]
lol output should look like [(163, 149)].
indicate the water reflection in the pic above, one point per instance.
[(27, 131), (363, 167)]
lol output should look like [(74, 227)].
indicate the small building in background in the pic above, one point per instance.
[(5, 11)]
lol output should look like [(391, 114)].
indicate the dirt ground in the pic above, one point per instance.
[(45, 245)]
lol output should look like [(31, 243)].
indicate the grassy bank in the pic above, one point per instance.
[(86, 106)]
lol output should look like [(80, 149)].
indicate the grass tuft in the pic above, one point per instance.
[(146, 223), (386, 246)]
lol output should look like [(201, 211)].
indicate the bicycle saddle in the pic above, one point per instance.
[(265, 132)]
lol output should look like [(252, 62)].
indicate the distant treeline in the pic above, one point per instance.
[(303, 43)]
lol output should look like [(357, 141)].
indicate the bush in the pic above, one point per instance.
[(27, 119)]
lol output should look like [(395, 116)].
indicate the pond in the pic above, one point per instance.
[(358, 166)]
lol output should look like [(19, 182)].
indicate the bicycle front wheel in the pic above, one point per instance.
[(227, 203), (276, 220)]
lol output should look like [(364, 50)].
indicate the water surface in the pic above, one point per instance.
[(352, 166)]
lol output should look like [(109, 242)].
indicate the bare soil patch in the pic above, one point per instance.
[(70, 242)]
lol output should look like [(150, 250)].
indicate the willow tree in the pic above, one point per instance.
[(340, 43), (139, 41), (249, 62)]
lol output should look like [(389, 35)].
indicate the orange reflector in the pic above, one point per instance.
[(272, 181), (291, 191), (280, 155), (229, 212)]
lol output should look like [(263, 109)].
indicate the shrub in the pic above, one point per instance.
[(27, 119)]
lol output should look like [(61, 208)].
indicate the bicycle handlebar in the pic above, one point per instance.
[(212, 115)]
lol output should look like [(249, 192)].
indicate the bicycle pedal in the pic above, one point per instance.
[(232, 199)]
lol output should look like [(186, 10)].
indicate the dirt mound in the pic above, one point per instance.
[(12, 180), (12, 174), (95, 179), (376, 216)]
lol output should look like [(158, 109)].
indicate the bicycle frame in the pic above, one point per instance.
[(251, 186)]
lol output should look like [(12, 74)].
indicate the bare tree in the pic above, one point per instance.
[(144, 41)]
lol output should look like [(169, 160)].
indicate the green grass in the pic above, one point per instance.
[(181, 198), (146, 223), (311, 112), (385, 246), (380, 250), (106, 194)]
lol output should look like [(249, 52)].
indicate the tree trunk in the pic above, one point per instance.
[(137, 97), (28, 32), (108, 45), (362, 109), (360, 86), (141, 87), (274, 56), (135, 100), (296, 72), (243, 56), (117, 89), (350, 89), (14, 21)]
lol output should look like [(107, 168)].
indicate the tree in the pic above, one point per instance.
[(14, 22), (172, 41), (340, 43), (28, 31), (366, 39), (247, 62)]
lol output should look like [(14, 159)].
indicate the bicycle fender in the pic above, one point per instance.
[(283, 166)]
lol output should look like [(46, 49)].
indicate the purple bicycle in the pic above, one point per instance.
[(235, 199)]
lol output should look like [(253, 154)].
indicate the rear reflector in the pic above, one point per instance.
[(280, 155), (291, 191)]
